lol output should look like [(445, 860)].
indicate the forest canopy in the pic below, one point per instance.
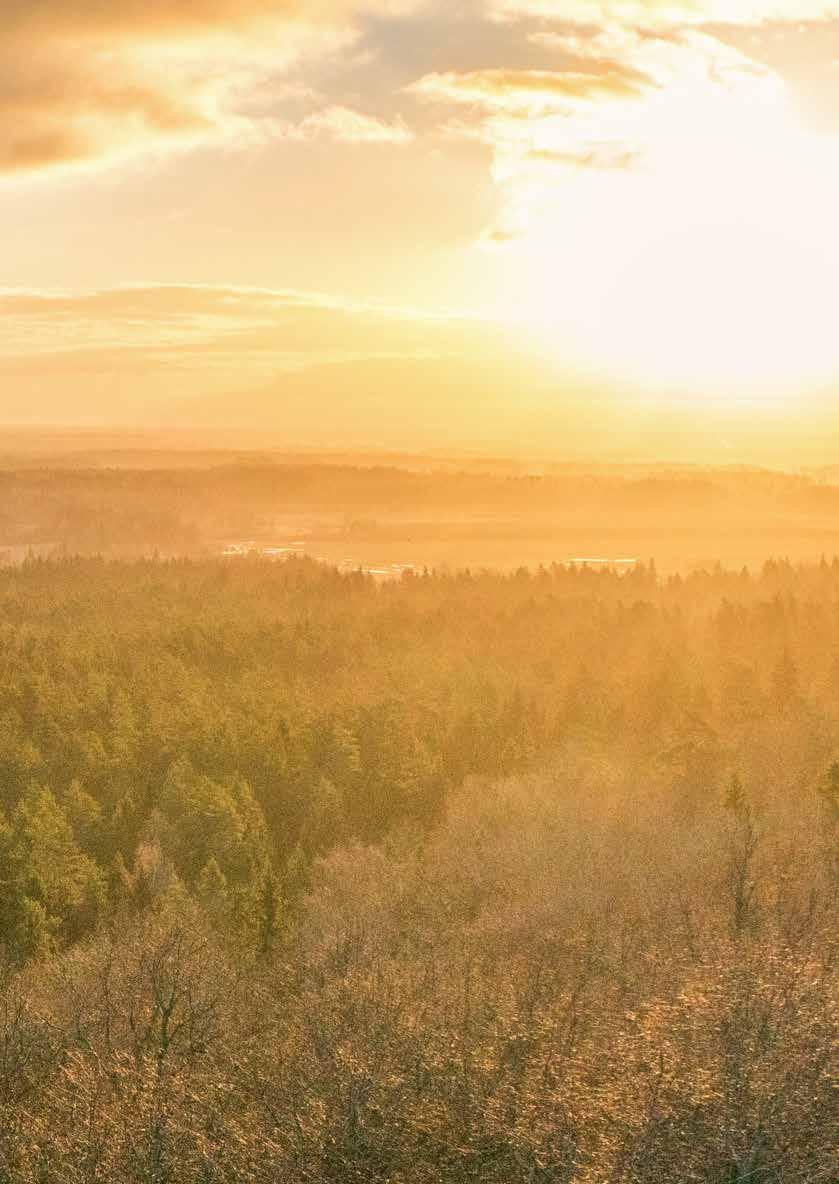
[(528, 873)]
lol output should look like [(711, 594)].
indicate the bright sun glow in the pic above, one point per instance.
[(708, 267)]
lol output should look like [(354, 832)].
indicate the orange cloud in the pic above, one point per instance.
[(242, 324), (92, 19), (151, 353), (668, 14), (632, 101), (59, 115), (83, 81), (349, 127), (527, 90)]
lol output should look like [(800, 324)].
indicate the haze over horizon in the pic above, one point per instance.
[(601, 228)]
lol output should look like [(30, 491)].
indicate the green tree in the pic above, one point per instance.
[(269, 916)]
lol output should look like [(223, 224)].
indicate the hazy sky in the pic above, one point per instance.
[(388, 219)]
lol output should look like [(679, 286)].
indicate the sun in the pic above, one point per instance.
[(725, 307), (707, 269)]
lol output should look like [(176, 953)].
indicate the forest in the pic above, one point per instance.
[(126, 502), (513, 877)]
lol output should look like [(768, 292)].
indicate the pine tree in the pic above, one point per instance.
[(829, 790), (120, 884), (735, 797), (269, 916), (35, 931), (51, 868), (785, 688)]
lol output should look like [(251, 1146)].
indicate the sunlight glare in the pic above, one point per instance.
[(706, 269)]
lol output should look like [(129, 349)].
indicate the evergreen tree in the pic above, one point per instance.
[(269, 916)]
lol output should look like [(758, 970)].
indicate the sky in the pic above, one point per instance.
[(564, 225)]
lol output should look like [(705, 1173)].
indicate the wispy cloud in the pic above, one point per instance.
[(667, 14), (82, 81), (242, 323), (624, 99), (155, 351), (348, 127), (529, 91)]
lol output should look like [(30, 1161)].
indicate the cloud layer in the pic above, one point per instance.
[(668, 14), (298, 362), (82, 81), (665, 97), (530, 91), (286, 327)]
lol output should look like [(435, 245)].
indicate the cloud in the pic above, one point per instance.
[(349, 127), (542, 120), (529, 90), (168, 20), (86, 82), (141, 353), (624, 100), (82, 81), (57, 114), (603, 157), (657, 15), (242, 324), (598, 107)]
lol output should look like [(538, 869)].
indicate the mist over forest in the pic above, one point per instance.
[(374, 511), (329, 852)]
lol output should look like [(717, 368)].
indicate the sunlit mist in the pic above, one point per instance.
[(705, 264)]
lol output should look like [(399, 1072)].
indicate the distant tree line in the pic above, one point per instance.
[(94, 509)]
